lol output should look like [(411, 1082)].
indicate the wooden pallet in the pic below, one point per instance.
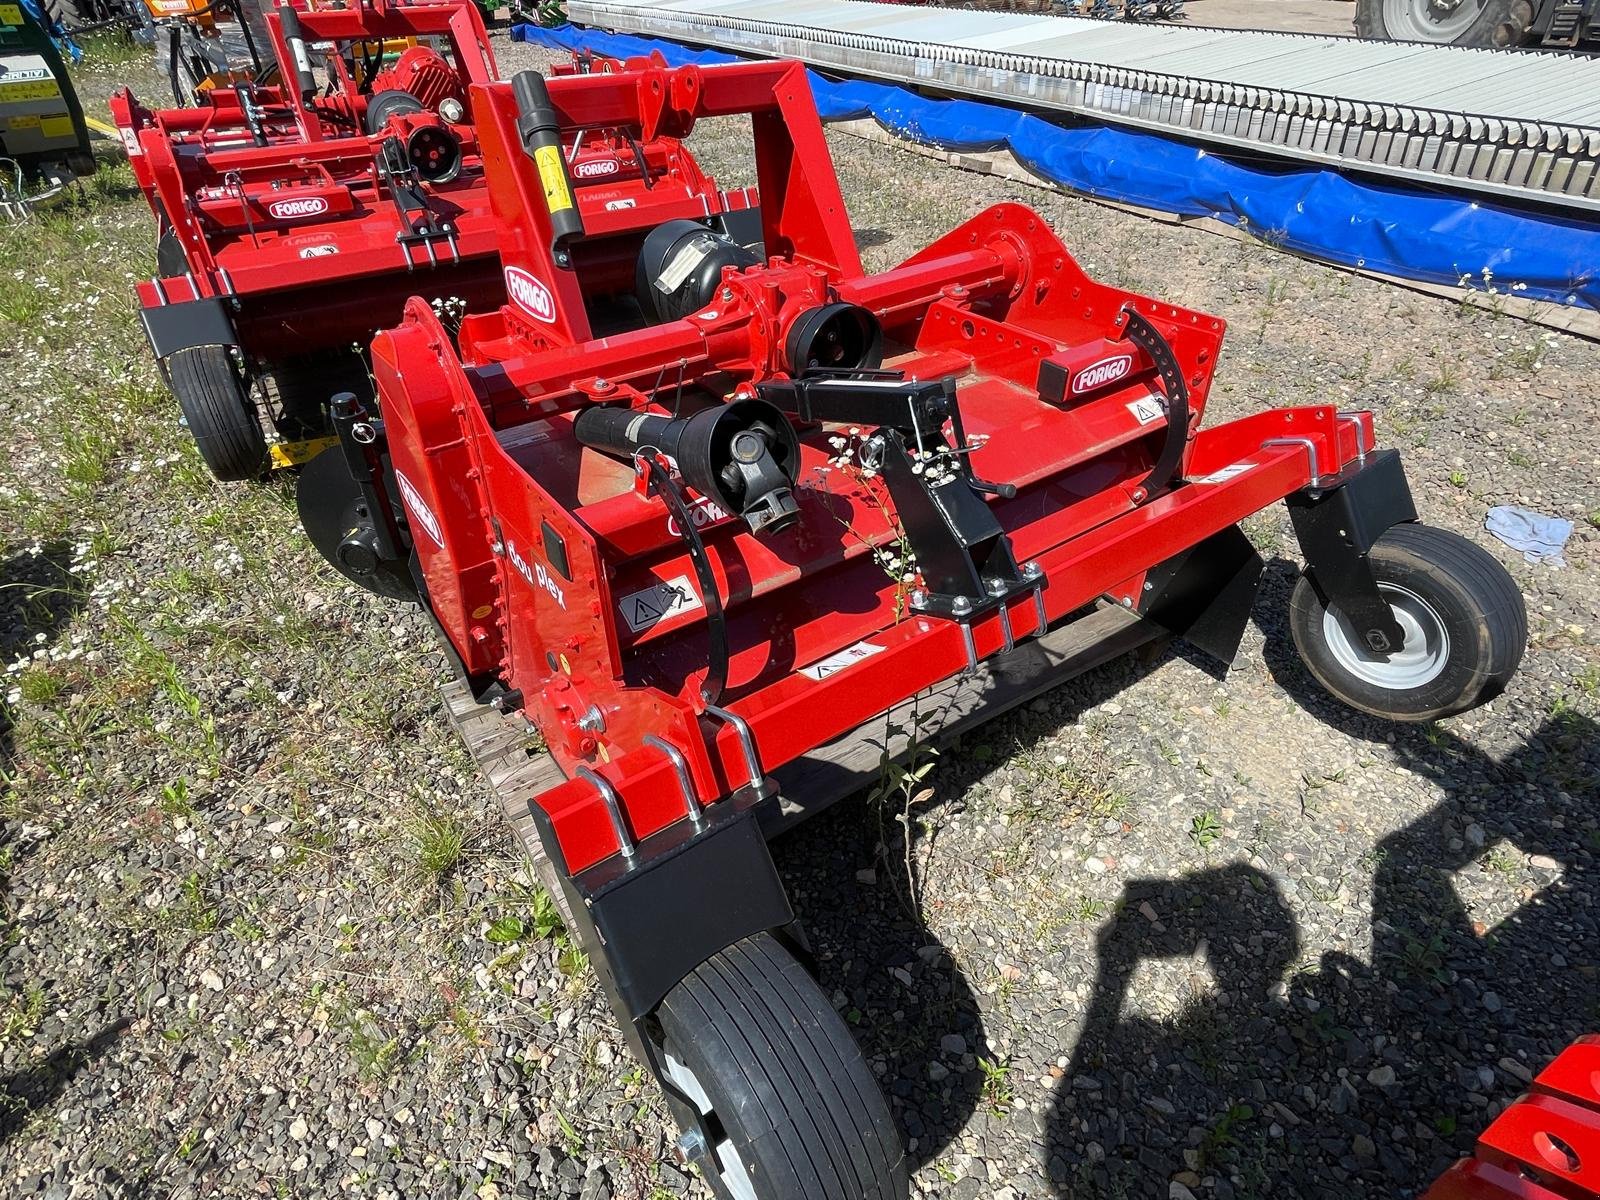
[(507, 751)]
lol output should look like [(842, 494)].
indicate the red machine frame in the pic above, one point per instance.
[(1546, 1145), (516, 366), (339, 258), (700, 513)]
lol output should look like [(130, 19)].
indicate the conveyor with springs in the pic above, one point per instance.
[(1499, 122)]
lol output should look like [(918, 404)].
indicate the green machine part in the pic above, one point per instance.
[(41, 121)]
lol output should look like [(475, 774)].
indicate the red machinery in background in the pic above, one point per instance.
[(295, 218), (701, 509)]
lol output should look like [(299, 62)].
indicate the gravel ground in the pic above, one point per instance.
[(1171, 933)]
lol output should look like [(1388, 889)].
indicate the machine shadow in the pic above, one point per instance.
[(33, 1087), (1267, 1073), (899, 987), (38, 595)]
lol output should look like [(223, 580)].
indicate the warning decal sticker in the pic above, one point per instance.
[(641, 610), (1226, 473), (1146, 410), (835, 663)]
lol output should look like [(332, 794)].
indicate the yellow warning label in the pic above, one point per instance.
[(10, 14), (24, 122), (553, 175), (29, 89), (55, 127), (292, 454)]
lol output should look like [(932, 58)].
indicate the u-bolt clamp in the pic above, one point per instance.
[(680, 767), (1310, 448), (613, 802), (1034, 573), (747, 742), (1353, 417)]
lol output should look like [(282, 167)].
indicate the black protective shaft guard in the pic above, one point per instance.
[(1337, 523)]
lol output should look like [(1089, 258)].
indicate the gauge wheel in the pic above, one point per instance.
[(1464, 621), (216, 407), (1502, 23), (784, 1104)]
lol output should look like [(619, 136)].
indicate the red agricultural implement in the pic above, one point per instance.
[(701, 512), (296, 217), (1546, 1145)]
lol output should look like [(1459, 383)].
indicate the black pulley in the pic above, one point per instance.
[(742, 455), (391, 102), (835, 337), (339, 520)]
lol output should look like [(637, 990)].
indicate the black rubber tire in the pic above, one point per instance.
[(1503, 24), (217, 407), (1476, 601), (787, 1084)]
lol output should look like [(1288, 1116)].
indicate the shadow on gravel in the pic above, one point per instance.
[(38, 595), (34, 1087), (904, 994), (909, 1004), (1348, 1077)]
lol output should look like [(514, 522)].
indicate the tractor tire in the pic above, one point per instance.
[(216, 406), (1465, 626), (788, 1108), (1494, 23)]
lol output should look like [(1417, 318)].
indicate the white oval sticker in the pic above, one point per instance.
[(530, 295), (1097, 375), (300, 206), (596, 168), (421, 515)]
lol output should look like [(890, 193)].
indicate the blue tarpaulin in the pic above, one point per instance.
[(1426, 236)]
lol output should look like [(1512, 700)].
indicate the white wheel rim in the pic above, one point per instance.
[(730, 1166), (1420, 660), (1429, 20)]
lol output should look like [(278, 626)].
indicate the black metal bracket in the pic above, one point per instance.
[(187, 325), (419, 222), (1204, 594), (963, 554), (1175, 400), (647, 924), (1337, 522)]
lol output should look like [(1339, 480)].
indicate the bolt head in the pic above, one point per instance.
[(997, 587), (960, 605), (691, 1145), (919, 599), (1031, 570)]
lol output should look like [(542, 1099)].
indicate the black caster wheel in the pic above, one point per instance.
[(1464, 621)]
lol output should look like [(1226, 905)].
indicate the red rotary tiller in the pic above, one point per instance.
[(701, 512), (295, 218)]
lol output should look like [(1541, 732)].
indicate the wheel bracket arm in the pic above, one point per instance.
[(1337, 522)]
